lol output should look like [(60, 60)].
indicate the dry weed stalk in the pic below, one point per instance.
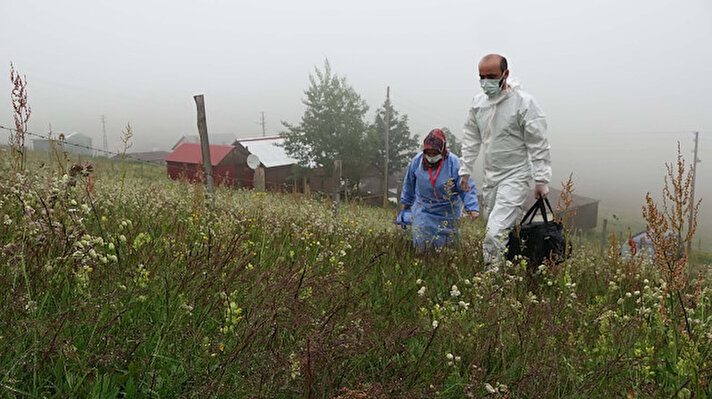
[(564, 213), (665, 229), (21, 113), (126, 136)]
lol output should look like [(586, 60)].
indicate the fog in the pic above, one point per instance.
[(621, 82)]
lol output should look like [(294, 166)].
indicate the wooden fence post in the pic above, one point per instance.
[(307, 190), (337, 187), (603, 236), (259, 179), (204, 144)]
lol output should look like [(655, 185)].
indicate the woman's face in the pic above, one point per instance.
[(431, 153)]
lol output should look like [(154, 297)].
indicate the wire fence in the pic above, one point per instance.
[(290, 184), (60, 142)]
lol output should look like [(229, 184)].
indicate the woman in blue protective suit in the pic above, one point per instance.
[(431, 190)]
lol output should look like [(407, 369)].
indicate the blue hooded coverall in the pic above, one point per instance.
[(435, 216)]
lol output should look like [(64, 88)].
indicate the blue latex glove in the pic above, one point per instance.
[(404, 218)]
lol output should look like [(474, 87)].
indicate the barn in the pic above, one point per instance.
[(277, 164), (186, 161), (218, 139)]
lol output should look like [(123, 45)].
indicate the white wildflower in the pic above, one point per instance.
[(421, 291), (454, 292), (490, 388)]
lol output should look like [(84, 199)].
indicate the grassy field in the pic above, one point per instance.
[(121, 283)]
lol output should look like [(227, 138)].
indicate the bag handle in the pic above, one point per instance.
[(531, 212), (546, 199), (538, 206)]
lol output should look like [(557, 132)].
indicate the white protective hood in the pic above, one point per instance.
[(510, 128)]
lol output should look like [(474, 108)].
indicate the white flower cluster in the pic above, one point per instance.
[(454, 292), (452, 359)]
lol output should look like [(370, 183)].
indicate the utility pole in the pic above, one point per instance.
[(103, 130), (692, 190), (262, 122), (385, 164)]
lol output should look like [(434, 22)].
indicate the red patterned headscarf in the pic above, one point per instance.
[(435, 140)]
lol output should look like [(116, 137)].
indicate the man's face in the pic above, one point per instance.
[(489, 69)]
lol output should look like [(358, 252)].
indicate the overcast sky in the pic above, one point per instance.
[(620, 81)]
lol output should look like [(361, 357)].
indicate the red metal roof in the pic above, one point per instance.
[(191, 153)]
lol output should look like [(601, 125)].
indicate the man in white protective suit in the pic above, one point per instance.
[(510, 127)]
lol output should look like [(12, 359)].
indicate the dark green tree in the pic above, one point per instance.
[(453, 144), (332, 127), (402, 146)]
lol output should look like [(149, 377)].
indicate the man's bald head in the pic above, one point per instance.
[(493, 59)]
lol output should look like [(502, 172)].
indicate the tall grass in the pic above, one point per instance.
[(150, 292)]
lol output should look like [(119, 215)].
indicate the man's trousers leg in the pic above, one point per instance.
[(505, 203)]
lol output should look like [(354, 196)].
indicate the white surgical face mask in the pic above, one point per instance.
[(434, 159), (492, 87)]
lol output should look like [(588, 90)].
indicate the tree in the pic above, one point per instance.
[(453, 144), (401, 145), (332, 127)]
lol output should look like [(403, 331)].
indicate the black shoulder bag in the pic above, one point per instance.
[(539, 241)]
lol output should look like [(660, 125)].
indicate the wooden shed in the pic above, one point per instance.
[(186, 161), (583, 213), (273, 158)]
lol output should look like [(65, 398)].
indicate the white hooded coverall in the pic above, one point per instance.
[(511, 130)]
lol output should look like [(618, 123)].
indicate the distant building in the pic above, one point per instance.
[(73, 143), (278, 165), (230, 163), (273, 158), (642, 245), (372, 184), (186, 161)]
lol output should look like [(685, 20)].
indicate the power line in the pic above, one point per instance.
[(63, 143)]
